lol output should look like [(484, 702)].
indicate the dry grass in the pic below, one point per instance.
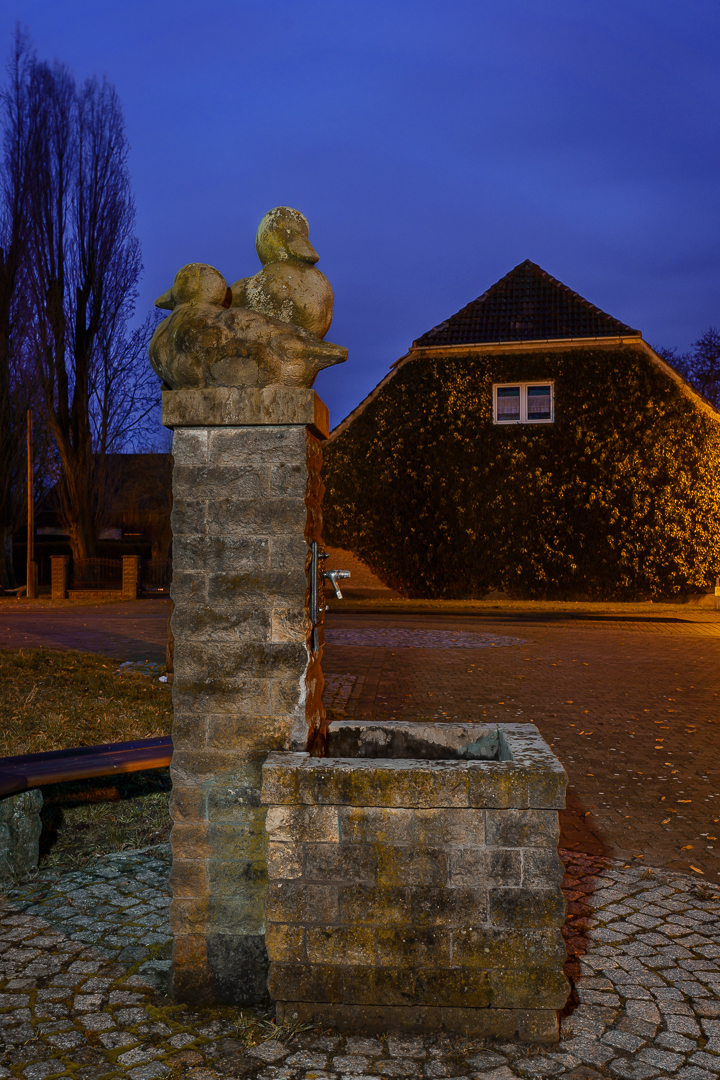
[(83, 820), (53, 701), (585, 608)]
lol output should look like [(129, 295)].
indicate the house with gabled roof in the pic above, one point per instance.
[(534, 444)]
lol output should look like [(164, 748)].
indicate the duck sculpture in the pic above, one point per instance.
[(263, 334), (289, 287)]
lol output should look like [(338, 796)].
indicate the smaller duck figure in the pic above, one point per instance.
[(206, 342), (289, 287)]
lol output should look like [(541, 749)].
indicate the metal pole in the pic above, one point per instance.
[(30, 570)]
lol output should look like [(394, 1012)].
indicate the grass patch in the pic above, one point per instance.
[(85, 818), (56, 700), (647, 609)]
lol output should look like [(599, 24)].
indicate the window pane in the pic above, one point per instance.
[(508, 403), (539, 403)]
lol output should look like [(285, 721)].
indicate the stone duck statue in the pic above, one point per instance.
[(209, 341), (289, 287)]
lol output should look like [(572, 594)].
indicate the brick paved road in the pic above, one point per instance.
[(631, 709)]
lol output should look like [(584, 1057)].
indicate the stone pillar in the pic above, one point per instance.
[(58, 576), (130, 565), (246, 505)]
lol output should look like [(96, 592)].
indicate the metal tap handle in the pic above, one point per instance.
[(332, 576)]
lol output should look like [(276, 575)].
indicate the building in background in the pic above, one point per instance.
[(530, 444), (133, 520)]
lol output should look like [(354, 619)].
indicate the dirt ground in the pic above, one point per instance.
[(626, 694)]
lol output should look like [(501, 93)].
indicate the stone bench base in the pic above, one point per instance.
[(20, 829), (523, 1025)]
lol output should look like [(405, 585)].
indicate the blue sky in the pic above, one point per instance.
[(432, 146)]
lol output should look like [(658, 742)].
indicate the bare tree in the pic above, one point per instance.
[(16, 390), (701, 365), (83, 267), (124, 395)]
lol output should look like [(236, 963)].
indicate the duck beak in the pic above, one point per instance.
[(302, 249), (165, 301)]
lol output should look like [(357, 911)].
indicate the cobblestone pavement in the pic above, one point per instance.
[(83, 977), (630, 707)]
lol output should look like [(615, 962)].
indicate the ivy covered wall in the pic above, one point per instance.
[(619, 498)]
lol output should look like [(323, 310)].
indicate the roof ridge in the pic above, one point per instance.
[(526, 304)]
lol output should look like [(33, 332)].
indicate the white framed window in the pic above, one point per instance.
[(523, 403)]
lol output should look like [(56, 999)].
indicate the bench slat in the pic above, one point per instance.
[(33, 770)]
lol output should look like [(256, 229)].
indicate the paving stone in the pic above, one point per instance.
[(371, 1047), (43, 1069), (307, 1059), (348, 1064), (399, 1067), (671, 1040), (686, 1025), (631, 1070), (269, 1052), (660, 1059), (643, 1011), (623, 1040), (538, 1067), (589, 1051), (486, 1060), (97, 1021), (502, 1073), (705, 1061)]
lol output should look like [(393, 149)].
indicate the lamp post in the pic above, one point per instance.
[(30, 569)]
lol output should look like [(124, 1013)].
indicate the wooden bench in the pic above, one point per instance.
[(27, 771)]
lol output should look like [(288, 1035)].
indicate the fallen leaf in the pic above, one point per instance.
[(696, 870), (568, 702), (711, 838), (684, 800), (665, 821)]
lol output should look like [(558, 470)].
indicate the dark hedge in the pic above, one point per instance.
[(618, 499)]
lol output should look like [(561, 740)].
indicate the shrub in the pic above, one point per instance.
[(617, 499)]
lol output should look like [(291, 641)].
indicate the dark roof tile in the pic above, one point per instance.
[(526, 305)]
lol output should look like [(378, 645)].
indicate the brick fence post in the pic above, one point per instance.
[(130, 565), (246, 505), (58, 576)]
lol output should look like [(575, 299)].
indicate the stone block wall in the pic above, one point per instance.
[(246, 504), (419, 895)]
